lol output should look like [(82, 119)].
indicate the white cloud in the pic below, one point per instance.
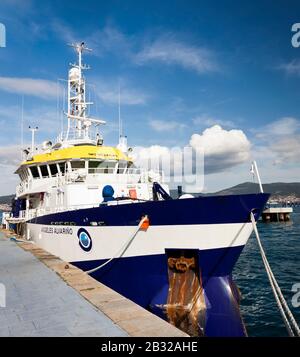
[(280, 141), (222, 148), (291, 68), (165, 125), (166, 48), (9, 112), (8, 181), (287, 149), (108, 92), (110, 39), (29, 86), (10, 158), (206, 120), (23, 19), (281, 127), (10, 155), (129, 97), (281, 151), (47, 118), (105, 41), (171, 51), (64, 32)]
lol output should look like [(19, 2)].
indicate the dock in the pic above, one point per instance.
[(45, 296), (277, 214)]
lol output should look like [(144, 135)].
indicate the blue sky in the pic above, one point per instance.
[(184, 67)]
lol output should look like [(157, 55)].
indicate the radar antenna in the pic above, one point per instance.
[(77, 104)]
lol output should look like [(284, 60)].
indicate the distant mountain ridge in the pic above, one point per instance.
[(281, 190), (276, 189), (6, 199)]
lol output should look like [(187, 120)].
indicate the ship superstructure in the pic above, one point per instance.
[(72, 172)]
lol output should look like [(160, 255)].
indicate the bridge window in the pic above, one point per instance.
[(62, 167), (93, 165), (53, 169), (44, 171), (75, 165), (26, 174), (122, 167), (102, 167), (23, 174), (34, 171)]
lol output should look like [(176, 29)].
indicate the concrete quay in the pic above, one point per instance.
[(45, 296)]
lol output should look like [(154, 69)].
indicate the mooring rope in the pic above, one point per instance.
[(123, 249), (286, 313)]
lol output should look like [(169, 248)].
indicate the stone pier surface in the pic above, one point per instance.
[(45, 296)]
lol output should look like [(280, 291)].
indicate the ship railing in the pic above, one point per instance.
[(76, 135), (112, 170), (79, 175), (102, 170), (28, 214), (37, 212), (22, 214)]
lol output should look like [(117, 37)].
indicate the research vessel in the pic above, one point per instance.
[(88, 204)]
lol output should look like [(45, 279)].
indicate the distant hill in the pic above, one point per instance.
[(277, 189), (6, 199)]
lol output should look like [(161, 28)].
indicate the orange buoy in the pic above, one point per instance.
[(145, 225)]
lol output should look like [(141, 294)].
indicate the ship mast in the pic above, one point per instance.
[(77, 104)]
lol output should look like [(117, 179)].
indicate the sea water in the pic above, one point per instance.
[(281, 242)]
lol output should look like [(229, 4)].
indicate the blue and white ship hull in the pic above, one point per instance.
[(179, 267)]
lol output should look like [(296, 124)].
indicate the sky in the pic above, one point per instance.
[(220, 75)]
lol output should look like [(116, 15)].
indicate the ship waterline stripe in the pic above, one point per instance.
[(107, 241)]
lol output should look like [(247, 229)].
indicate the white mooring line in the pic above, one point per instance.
[(124, 247), (287, 316)]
